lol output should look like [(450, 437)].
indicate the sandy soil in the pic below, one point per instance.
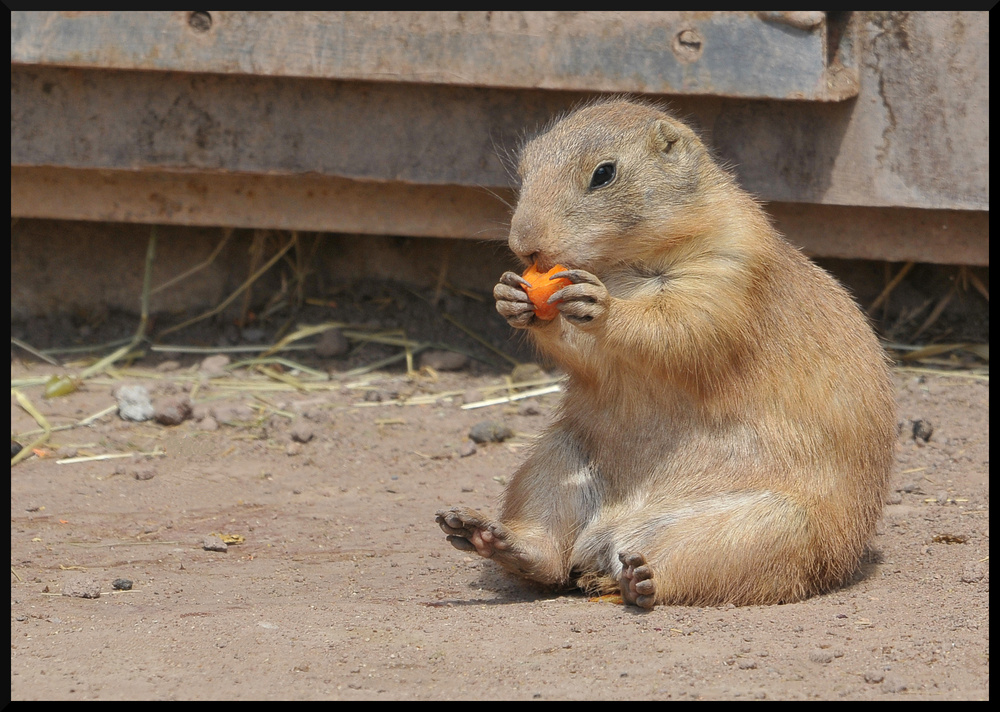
[(343, 587)]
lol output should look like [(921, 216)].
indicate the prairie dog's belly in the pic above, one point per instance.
[(665, 445)]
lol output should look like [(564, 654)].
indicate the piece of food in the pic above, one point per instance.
[(60, 386), (542, 287)]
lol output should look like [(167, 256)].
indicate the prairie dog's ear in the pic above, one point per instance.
[(663, 136)]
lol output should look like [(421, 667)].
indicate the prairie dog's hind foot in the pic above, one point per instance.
[(637, 583)]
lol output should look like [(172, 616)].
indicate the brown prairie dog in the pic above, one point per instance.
[(727, 430)]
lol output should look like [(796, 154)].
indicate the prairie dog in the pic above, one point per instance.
[(727, 430)]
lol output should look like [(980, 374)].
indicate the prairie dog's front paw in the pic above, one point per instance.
[(585, 301), (513, 302)]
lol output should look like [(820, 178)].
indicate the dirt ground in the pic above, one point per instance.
[(341, 586)]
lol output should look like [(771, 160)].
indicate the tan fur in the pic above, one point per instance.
[(729, 413)]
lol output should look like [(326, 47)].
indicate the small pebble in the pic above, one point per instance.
[(318, 415), (467, 448), (922, 430), (134, 403), (490, 431), (173, 411), (524, 372), (874, 676), (122, 584), (892, 684), (472, 396), (821, 656), (208, 424), (332, 344), (144, 473), (214, 366), (529, 407), (301, 432), (444, 360), (214, 543), (168, 366)]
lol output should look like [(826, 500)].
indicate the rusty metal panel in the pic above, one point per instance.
[(879, 152), (190, 148), (775, 55), (917, 135), (894, 234), (313, 202), (317, 203), (928, 91), (203, 122)]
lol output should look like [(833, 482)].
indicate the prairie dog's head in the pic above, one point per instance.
[(608, 184)]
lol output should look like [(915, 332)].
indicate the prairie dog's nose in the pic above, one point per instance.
[(524, 237)]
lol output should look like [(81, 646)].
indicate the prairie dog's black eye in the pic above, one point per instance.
[(603, 174)]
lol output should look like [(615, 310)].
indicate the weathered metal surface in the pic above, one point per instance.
[(738, 54), (917, 135), (317, 203), (234, 149), (203, 122), (959, 237), (927, 149), (928, 84)]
